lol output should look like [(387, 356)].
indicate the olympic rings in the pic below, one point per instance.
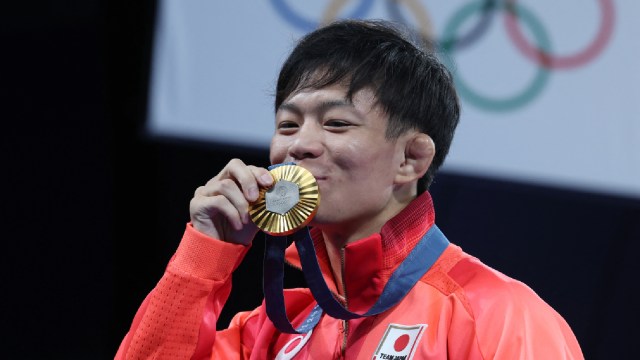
[(514, 13), (548, 60), (518, 100), (308, 25)]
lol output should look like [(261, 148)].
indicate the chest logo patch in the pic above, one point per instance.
[(399, 342)]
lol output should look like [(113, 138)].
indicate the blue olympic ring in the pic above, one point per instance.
[(309, 25)]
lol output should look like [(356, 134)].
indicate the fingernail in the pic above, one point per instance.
[(253, 193), (238, 225), (267, 179)]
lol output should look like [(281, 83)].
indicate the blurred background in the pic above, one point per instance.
[(115, 111)]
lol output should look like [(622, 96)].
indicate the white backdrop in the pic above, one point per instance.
[(570, 118)]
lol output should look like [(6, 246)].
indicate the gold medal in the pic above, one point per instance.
[(289, 204)]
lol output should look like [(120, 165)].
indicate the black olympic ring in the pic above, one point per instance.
[(426, 33)]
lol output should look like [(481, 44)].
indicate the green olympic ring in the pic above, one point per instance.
[(486, 102)]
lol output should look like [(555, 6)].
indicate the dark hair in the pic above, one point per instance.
[(411, 85)]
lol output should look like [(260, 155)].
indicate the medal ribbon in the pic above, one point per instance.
[(414, 266)]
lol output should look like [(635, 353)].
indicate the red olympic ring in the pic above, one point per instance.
[(551, 61)]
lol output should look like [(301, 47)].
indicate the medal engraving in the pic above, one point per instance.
[(282, 197), (289, 204)]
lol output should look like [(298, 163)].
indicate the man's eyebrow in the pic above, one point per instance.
[(319, 108)]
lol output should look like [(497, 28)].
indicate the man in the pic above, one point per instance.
[(372, 117)]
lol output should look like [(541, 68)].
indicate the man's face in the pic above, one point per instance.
[(343, 144)]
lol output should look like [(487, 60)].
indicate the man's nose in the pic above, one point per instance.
[(308, 141)]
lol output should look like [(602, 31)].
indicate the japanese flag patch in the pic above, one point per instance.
[(399, 342)]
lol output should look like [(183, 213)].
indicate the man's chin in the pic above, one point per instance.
[(318, 221), (323, 220)]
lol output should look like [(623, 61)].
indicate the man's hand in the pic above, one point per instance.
[(220, 208)]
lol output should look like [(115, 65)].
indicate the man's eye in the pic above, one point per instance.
[(287, 125), (337, 123)]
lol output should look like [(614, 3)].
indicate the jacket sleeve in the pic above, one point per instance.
[(177, 319)]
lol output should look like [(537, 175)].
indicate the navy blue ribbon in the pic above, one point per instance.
[(414, 266)]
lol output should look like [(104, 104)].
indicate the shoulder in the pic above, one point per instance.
[(457, 271), (488, 290), (509, 316), (486, 293)]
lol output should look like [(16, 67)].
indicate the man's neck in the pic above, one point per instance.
[(336, 238)]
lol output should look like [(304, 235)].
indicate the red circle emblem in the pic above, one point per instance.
[(401, 342)]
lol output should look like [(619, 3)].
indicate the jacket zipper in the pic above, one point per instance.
[(345, 323)]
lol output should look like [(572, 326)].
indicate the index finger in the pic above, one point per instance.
[(248, 177)]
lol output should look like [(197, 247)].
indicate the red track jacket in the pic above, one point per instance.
[(460, 309)]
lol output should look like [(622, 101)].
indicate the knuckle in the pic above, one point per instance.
[(236, 162), (199, 191), (226, 184)]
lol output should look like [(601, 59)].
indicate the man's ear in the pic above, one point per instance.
[(418, 155)]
